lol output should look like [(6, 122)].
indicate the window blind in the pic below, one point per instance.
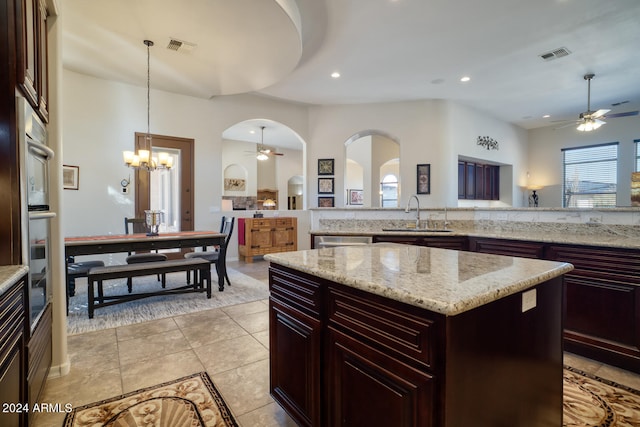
[(590, 176)]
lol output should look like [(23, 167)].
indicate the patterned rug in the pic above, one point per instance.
[(191, 401), (243, 289), (590, 401)]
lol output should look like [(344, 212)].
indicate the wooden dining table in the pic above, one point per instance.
[(140, 242)]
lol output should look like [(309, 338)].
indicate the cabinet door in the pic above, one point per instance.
[(284, 234), (294, 342), (27, 49), (368, 388), (43, 61)]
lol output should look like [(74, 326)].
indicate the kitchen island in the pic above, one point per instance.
[(389, 334)]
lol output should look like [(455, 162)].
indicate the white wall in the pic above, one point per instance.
[(100, 119), (545, 156)]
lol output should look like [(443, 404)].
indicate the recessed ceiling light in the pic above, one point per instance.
[(252, 131), (465, 79), (335, 75), (546, 116)]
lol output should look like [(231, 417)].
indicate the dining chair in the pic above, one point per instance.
[(219, 255), (138, 225)]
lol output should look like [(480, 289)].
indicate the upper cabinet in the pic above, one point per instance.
[(32, 59)]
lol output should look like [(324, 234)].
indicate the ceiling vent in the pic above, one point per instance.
[(180, 45), (555, 54)]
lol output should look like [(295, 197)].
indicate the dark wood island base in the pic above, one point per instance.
[(345, 357)]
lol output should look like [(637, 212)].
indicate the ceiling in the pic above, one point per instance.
[(385, 50)]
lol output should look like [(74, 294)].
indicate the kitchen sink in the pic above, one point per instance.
[(417, 230)]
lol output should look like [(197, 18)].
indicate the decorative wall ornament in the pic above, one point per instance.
[(488, 143)]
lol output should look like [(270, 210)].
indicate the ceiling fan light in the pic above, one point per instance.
[(262, 156)]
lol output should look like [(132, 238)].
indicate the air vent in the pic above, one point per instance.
[(180, 45), (555, 54), (615, 104)]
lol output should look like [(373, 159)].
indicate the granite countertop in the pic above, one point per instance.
[(9, 275), (444, 281), (595, 239)]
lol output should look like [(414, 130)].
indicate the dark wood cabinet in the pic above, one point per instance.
[(478, 181), (13, 365), (32, 53), (295, 329), (517, 248), (445, 242), (602, 303), (340, 356), (39, 357)]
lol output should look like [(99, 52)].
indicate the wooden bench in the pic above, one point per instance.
[(98, 274)]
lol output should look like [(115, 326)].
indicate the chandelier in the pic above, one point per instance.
[(143, 158)]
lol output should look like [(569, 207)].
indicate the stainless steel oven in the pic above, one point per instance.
[(35, 156)]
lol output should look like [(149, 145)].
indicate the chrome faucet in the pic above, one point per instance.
[(417, 209)]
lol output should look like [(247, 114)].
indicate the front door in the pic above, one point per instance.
[(170, 191)]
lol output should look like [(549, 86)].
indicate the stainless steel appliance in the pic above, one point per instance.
[(34, 165)]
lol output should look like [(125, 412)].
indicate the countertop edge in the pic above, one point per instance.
[(9, 276)]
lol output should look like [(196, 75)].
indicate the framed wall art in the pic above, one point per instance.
[(423, 185), (70, 177), (356, 197), (325, 166), (325, 202), (325, 185)]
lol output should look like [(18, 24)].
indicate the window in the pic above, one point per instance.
[(389, 191), (637, 142), (590, 176)]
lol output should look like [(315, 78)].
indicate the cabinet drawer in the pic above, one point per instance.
[(615, 264), (284, 222), (298, 290), (507, 247), (406, 332), (260, 223)]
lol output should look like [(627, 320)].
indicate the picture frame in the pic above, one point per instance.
[(325, 185), (356, 197), (326, 202), (70, 177), (423, 179), (234, 184), (326, 166)]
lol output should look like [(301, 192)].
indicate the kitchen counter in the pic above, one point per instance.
[(9, 275), (443, 281), (600, 237)]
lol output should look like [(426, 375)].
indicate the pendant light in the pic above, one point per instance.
[(143, 158), (261, 154)]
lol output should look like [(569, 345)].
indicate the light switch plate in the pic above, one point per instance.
[(529, 300)]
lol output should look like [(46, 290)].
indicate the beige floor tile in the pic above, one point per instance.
[(80, 387), (199, 317), (271, 415), (92, 343), (244, 309), (619, 376), (162, 369), (263, 337), (144, 329), (152, 347), (255, 322), (245, 388), (230, 354), (581, 363), (214, 330)]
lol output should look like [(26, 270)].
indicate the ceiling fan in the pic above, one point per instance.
[(263, 152), (591, 120)]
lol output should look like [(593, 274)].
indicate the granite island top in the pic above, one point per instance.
[(441, 280), (9, 275)]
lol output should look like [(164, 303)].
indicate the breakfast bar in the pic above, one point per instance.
[(390, 334)]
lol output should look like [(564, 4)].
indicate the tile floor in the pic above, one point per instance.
[(230, 343)]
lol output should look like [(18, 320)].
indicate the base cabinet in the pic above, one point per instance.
[(261, 236), (344, 357), (13, 385)]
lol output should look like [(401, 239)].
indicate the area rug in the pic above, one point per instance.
[(243, 289), (192, 401), (590, 401)]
